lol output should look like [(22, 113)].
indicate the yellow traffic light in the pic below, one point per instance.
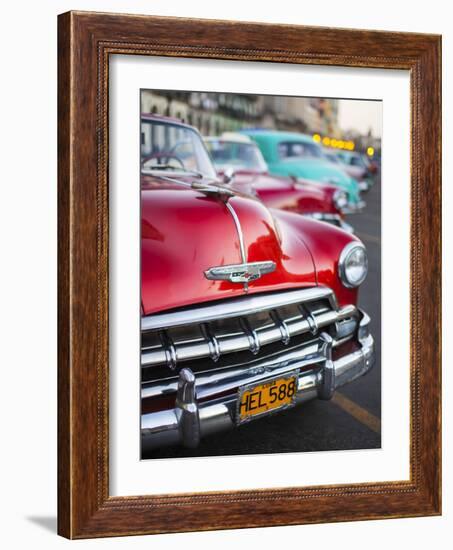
[(370, 151)]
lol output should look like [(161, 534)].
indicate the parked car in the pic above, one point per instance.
[(355, 165), (246, 310), (372, 164), (297, 155), (240, 163)]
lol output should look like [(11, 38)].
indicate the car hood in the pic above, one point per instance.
[(321, 171), (283, 192), (184, 232), (315, 168)]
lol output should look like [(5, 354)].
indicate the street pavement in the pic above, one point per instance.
[(351, 420)]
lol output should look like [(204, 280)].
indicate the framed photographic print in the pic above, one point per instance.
[(249, 275)]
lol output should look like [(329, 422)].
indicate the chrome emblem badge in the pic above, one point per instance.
[(240, 273)]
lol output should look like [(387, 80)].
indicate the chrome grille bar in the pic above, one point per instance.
[(254, 342), (283, 327), (312, 322), (169, 349), (250, 339), (237, 307), (213, 343)]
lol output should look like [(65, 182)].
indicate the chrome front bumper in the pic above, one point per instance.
[(193, 419), (364, 185), (354, 208)]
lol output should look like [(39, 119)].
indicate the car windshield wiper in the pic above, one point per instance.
[(158, 167)]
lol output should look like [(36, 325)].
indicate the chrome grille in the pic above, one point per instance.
[(247, 323)]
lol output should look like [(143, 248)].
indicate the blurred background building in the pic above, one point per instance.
[(214, 113)]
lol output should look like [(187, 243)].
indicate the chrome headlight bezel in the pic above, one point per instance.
[(340, 199), (345, 257)]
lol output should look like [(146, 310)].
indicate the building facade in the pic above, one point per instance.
[(214, 113)]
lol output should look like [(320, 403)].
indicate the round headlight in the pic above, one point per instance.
[(340, 199), (353, 264)]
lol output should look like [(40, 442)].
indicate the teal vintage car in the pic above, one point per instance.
[(297, 155), (356, 166)]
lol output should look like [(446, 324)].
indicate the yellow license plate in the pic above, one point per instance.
[(260, 399)]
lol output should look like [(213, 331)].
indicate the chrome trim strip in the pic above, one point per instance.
[(237, 223), (240, 233), (244, 305), (214, 187)]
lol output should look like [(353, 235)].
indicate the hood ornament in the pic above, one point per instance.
[(240, 273), (213, 189)]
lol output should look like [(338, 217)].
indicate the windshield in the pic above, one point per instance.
[(357, 160), (173, 148), (298, 149), (232, 154), (332, 157)]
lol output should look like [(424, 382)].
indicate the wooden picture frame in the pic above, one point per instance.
[(85, 41)]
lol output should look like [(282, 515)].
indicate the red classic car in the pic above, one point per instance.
[(246, 310), (239, 161)]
